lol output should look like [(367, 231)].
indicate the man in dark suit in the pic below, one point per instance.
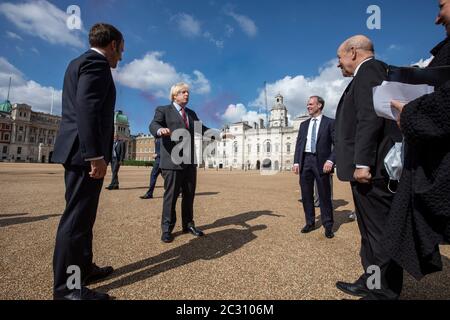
[(178, 164), (314, 159), (119, 150), (362, 141), (155, 171), (83, 146)]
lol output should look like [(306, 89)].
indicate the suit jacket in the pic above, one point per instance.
[(324, 142), (88, 100), (169, 117), (121, 150), (363, 138)]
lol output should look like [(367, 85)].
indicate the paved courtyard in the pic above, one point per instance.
[(253, 248)]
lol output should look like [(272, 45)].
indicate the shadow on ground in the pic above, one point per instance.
[(218, 244), (20, 220)]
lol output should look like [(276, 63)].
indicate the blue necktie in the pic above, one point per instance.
[(313, 136)]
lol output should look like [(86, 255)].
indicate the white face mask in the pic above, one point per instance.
[(393, 162)]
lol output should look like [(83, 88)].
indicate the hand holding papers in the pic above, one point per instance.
[(402, 92)]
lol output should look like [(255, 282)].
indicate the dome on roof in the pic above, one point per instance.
[(6, 106), (119, 117)]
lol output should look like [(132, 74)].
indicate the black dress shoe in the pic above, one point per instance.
[(97, 274), (308, 228), (380, 295), (193, 230), (82, 294), (167, 237), (146, 196), (354, 289), (112, 187), (329, 233)]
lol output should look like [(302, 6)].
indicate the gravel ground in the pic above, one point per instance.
[(252, 250)]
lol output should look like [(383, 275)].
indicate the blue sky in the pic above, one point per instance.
[(224, 49)]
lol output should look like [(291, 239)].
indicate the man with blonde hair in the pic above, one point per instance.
[(177, 174)]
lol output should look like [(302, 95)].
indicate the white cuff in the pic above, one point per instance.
[(95, 158), (360, 166), (332, 163)]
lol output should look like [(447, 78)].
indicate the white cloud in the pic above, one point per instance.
[(329, 84), (229, 30), (27, 91), (151, 74), (238, 112), (422, 63), (187, 24), (247, 25), (218, 43), (13, 35), (42, 19)]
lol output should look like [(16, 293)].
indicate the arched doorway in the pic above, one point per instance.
[(258, 165), (267, 164)]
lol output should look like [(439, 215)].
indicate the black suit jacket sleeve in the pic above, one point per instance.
[(298, 147), (93, 85), (195, 118), (158, 122), (332, 156), (369, 126)]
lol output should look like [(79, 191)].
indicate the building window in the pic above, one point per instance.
[(19, 150), (235, 147), (31, 139), (50, 141), (41, 140), (268, 147), (288, 147), (249, 148), (5, 149), (20, 128), (257, 148), (6, 136), (19, 138)]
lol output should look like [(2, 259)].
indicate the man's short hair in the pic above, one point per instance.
[(320, 101), (102, 34), (177, 88)]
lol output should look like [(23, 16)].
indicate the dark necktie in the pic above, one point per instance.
[(183, 114)]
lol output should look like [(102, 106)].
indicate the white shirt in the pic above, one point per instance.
[(359, 66), (98, 51), (308, 139), (310, 127)]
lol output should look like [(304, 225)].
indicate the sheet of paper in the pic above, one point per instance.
[(403, 92)]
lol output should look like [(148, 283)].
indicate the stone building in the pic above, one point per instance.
[(255, 146), (145, 147), (26, 135)]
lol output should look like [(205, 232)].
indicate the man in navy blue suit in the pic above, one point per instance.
[(83, 146), (155, 171), (314, 160)]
